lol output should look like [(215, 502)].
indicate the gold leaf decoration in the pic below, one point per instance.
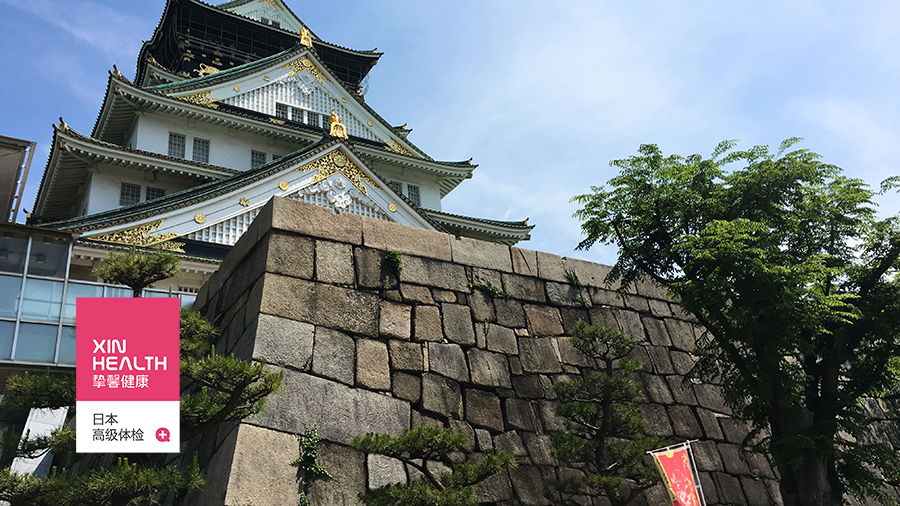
[(200, 218), (397, 148), (284, 185), (142, 235), (244, 202), (201, 98), (304, 64), (338, 163)]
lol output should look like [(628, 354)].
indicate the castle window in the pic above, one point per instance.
[(129, 194), (176, 145), (257, 158), (397, 185), (154, 193), (412, 191), (201, 150), (281, 111)]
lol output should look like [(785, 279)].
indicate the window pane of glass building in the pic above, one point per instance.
[(10, 289), (67, 346), (155, 193), (130, 194), (43, 300), (48, 256), (257, 158), (74, 291), (12, 252), (201, 150), (413, 194), (6, 339), (176, 145), (36, 343)]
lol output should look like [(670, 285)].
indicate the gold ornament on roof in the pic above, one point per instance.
[(284, 185), (396, 147), (116, 72), (273, 3), (62, 125), (205, 70), (392, 208), (304, 64), (244, 202), (200, 218), (142, 235), (305, 39), (201, 98), (337, 129), (337, 163)]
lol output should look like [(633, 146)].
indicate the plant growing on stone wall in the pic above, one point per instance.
[(604, 433), (418, 447), (308, 467), (395, 263), (489, 289)]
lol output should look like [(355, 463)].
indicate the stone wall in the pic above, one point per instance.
[(310, 293)]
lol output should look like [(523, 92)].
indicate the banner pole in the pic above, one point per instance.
[(696, 472)]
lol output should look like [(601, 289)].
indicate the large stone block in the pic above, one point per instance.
[(520, 415), (322, 305), (334, 263), (660, 359), (387, 235), (483, 410), (524, 288), (416, 293), (334, 355), (406, 356), (543, 320), (489, 369), (682, 391), (434, 273), (260, 469), (407, 387), (494, 490), (385, 471), (524, 261), (372, 370), (539, 355), (347, 484), (458, 324), (282, 341), (290, 255), (427, 324), (657, 389), (631, 324), (564, 294), (501, 339), (681, 333), (684, 422), (528, 483), (448, 360), (656, 331), (539, 448), (316, 221), (395, 320), (509, 313), (476, 253), (588, 273), (550, 267), (372, 270), (482, 306), (340, 412), (658, 423), (441, 395)]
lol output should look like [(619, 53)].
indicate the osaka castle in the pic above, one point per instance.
[(232, 105)]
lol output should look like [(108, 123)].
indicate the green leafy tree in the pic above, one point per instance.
[(218, 389), (786, 266), (416, 448), (137, 269), (604, 431)]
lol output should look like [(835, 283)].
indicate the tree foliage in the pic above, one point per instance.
[(784, 262), (604, 431), (418, 447), (138, 270)]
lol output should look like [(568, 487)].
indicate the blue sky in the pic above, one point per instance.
[(541, 94)]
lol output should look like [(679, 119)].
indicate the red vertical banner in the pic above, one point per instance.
[(127, 375), (675, 466)]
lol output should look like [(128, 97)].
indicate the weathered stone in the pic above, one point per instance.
[(547, 410), (466, 430), (543, 320), (683, 393), (482, 306), (334, 355), (427, 324), (651, 289), (501, 339), (306, 219), (340, 412), (684, 422), (732, 460), (515, 366), (386, 235), (538, 355), (605, 297), (659, 308), (681, 333), (531, 386), (631, 324), (315, 303), (656, 331), (486, 277), (710, 397), (488, 255), (258, 474), (709, 488), (528, 483), (658, 423), (729, 489), (657, 389), (509, 313), (444, 296), (395, 320), (659, 357), (494, 489), (290, 255), (483, 410), (416, 293), (423, 271), (345, 487), (520, 415), (385, 471), (759, 466), (441, 395), (421, 420), (458, 324), (756, 492), (406, 387), (372, 370), (334, 263), (733, 430), (483, 440), (564, 294), (682, 361), (372, 270), (488, 369), (282, 341), (524, 287), (550, 267), (406, 356), (510, 442), (524, 261), (571, 317), (639, 353), (638, 304), (539, 448), (710, 423), (587, 273), (707, 456), (448, 360)]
